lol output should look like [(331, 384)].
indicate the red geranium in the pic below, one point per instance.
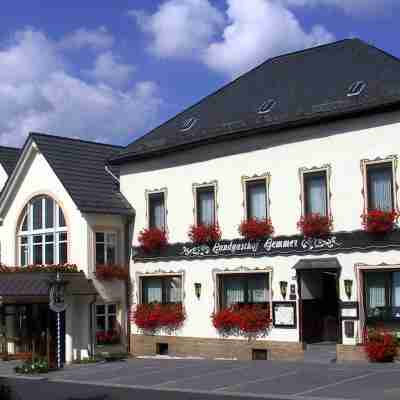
[(109, 272), (247, 320), (380, 346), (151, 317), (41, 268), (110, 337), (377, 221), (152, 239), (256, 228), (201, 234), (315, 225)]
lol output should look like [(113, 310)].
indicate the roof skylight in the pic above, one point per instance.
[(188, 124), (356, 88), (266, 106)]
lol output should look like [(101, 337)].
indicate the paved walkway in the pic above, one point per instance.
[(266, 379)]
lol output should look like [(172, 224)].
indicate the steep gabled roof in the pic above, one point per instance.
[(8, 158), (80, 166), (308, 86)]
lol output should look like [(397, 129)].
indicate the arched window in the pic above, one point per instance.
[(42, 235)]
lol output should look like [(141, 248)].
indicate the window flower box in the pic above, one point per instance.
[(311, 225), (256, 228), (107, 338), (247, 320), (380, 346), (152, 239), (41, 268), (110, 271), (377, 221), (202, 234), (156, 316)]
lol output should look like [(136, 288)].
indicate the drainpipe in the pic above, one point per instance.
[(91, 324), (128, 286)]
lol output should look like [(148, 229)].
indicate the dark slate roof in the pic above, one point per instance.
[(308, 86), (80, 166), (8, 158)]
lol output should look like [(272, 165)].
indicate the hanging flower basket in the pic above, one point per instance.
[(380, 346), (202, 234), (107, 338), (152, 239), (312, 225), (41, 268), (376, 221), (152, 317), (110, 271), (256, 228), (249, 320)]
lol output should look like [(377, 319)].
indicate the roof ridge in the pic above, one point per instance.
[(230, 83), (33, 134)]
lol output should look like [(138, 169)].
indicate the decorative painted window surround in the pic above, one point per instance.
[(148, 194), (266, 177), (327, 169), (393, 160), (204, 185)]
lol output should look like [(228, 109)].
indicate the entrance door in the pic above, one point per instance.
[(319, 297)]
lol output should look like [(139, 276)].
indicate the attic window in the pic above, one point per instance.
[(356, 88), (266, 106), (188, 124)]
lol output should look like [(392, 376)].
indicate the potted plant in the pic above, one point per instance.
[(315, 225), (111, 271), (254, 228), (202, 234), (378, 221), (152, 239), (380, 346)]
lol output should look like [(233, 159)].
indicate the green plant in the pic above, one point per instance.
[(90, 360), (33, 367)]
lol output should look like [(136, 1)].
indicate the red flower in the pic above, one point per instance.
[(256, 228), (41, 268), (110, 337), (380, 346), (151, 317), (152, 239), (377, 221), (202, 234), (248, 320), (110, 271), (315, 225)]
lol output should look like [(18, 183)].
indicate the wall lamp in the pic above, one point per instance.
[(283, 287), (348, 287), (197, 289)]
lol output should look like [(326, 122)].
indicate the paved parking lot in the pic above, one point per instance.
[(268, 379)]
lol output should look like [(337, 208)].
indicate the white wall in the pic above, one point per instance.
[(3, 177)]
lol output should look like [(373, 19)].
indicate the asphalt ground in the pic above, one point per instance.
[(214, 379)]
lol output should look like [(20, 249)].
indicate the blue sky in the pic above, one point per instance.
[(111, 70)]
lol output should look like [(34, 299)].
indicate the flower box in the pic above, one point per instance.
[(380, 346), (311, 225), (153, 317), (110, 271), (377, 221), (256, 228), (246, 320), (41, 268), (107, 338), (202, 234), (152, 239)]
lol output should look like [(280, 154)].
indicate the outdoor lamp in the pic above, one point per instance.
[(197, 289), (348, 287), (283, 287)]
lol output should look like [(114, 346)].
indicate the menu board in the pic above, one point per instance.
[(284, 314)]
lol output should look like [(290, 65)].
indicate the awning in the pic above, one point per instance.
[(15, 284), (317, 263)]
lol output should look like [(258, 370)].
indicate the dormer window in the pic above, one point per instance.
[(266, 106), (356, 88), (188, 124)]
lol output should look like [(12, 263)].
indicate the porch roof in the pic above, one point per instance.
[(15, 284), (318, 263)]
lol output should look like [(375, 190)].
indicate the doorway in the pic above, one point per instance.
[(319, 306)]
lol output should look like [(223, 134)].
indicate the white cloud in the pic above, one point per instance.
[(96, 39), (180, 28), (37, 93), (108, 69)]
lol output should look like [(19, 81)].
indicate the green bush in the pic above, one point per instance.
[(33, 367)]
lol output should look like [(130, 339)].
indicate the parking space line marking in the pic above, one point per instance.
[(354, 378), (201, 376), (270, 378)]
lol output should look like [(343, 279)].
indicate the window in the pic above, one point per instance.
[(156, 204), (315, 193), (243, 289), (188, 124), (356, 88), (162, 289), (205, 205), (43, 237), (106, 318), (266, 106), (382, 295), (380, 186), (256, 199), (106, 248)]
